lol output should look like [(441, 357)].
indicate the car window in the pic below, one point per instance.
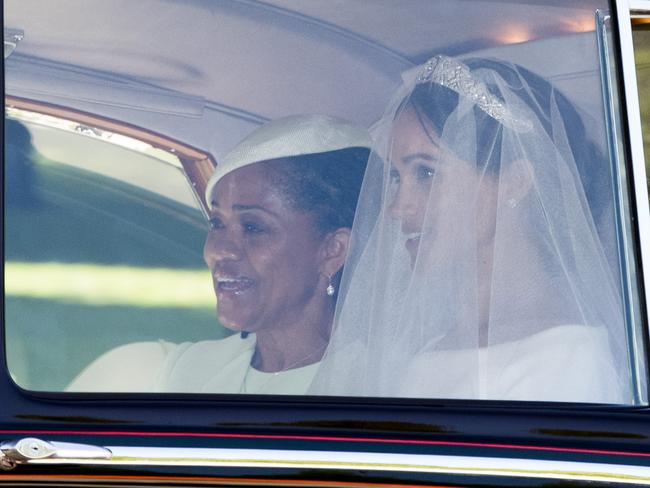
[(101, 252), (413, 202)]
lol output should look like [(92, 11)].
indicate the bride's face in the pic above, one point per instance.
[(434, 191)]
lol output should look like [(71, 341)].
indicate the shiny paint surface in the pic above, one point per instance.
[(495, 433), (351, 461)]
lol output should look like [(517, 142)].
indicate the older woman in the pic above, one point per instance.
[(281, 208), (482, 270)]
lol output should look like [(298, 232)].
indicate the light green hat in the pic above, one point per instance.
[(296, 135)]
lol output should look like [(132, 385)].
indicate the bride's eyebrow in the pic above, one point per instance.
[(418, 157)]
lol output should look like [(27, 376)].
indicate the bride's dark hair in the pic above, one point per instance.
[(436, 103)]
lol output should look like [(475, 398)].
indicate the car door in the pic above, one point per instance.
[(116, 114)]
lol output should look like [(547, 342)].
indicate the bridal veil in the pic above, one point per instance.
[(482, 262)]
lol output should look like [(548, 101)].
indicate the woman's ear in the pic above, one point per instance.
[(334, 250)]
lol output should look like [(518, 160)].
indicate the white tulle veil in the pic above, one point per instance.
[(512, 243)]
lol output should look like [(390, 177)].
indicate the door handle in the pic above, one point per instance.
[(23, 451)]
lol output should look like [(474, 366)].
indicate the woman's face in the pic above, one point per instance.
[(262, 253), (425, 175)]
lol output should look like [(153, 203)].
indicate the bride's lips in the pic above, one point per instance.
[(412, 241), (233, 285)]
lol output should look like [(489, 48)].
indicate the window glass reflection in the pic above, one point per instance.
[(96, 254), (407, 202)]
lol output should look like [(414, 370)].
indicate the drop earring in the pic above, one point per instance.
[(330, 290)]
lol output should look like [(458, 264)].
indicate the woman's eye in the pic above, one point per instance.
[(394, 176), (425, 172), (252, 228), (215, 223)]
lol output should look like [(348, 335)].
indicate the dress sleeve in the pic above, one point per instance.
[(571, 363), (129, 368)]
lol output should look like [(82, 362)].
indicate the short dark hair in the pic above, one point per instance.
[(326, 184)]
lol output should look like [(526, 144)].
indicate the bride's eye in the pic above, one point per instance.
[(424, 172), (394, 176), (251, 227)]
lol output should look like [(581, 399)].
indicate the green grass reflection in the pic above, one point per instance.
[(110, 285), (61, 316)]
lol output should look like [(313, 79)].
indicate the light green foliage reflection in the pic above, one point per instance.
[(110, 285)]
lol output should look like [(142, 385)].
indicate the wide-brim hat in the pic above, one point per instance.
[(295, 135)]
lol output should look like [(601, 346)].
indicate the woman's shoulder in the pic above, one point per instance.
[(215, 365), (210, 352), (128, 368), (150, 366), (568, 336), (570, 363)]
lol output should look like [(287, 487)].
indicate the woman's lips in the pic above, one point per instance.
[(412, 241), (236, 286)]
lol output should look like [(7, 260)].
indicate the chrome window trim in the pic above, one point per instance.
[(617, 158), (338, 460), (624, 10)]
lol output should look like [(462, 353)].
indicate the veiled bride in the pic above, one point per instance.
[(481, 266)]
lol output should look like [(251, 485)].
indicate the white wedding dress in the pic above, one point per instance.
[(569, 363)]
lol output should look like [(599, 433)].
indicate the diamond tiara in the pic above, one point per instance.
[(456, 76)]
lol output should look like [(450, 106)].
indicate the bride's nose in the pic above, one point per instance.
[(404, 204)]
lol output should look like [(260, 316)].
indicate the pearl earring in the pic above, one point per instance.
[(330, 290)]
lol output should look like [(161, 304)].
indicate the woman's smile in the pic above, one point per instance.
[(232, 285), (262, 253), (412, 242)]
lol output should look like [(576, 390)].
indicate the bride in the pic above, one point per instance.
[(482, 267)]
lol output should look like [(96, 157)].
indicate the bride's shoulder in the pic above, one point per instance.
[(560, 339), (569, 362), (553, 350), (571, 332), (564, 363)]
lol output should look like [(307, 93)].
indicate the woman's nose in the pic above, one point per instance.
[(403, 204), (221, 247)]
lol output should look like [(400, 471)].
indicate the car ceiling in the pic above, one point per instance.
[(193, 68)]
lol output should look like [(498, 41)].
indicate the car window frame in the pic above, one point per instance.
[(634, 151), (199, 166), (532, 430)]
